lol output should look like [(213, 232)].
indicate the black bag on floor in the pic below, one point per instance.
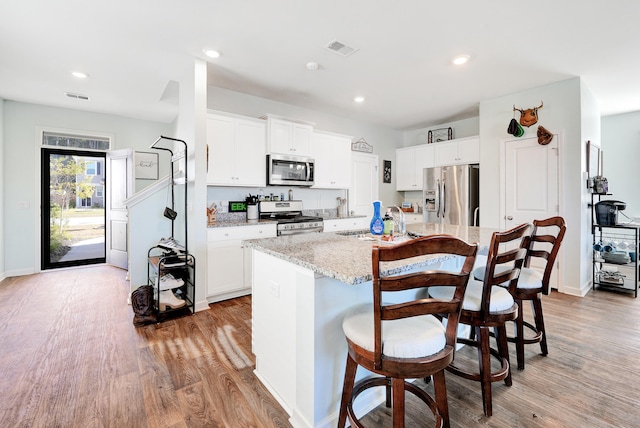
[(142, 304)]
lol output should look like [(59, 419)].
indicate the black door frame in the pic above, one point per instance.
[(45, 203)]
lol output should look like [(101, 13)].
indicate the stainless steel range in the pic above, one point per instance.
[(289, 216)]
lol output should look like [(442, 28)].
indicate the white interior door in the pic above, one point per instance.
[(119, 188), (531, 183), (364, 183)]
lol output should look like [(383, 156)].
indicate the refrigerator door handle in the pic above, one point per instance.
[(444, 196), (439, 195)]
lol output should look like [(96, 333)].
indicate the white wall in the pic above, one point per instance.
[(22, 171), (384, 140), (3, 158), (621, 150), (563, 113), (461, 128)]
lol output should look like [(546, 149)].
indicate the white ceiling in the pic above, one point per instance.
[(132, 49)]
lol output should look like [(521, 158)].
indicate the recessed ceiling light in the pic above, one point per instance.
[(211, 53), (359, 99), (312, 65), (460, 59), (79, 74)]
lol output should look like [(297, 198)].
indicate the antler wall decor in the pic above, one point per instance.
[(529, 116)]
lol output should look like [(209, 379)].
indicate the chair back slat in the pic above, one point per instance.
[(511, 260), (541, 235), (441, 245)]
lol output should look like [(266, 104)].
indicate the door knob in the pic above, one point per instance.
[(509, 217)]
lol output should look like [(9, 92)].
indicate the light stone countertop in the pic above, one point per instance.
[(348, 258), (240, 219)]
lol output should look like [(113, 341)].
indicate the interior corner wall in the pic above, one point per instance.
[(3, 157), (20, 170), (383, 139), (561, 114), (621, 151)]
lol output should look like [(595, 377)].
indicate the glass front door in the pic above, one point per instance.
[(73, 207)]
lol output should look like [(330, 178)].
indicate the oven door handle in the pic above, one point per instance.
[(301, 231)]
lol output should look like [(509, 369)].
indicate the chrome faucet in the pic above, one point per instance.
[(400, 224)]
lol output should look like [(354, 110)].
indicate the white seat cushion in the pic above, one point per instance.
[(501, 299), (405, 338), (529, 278)]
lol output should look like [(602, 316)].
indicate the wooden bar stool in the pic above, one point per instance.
[(543, 246), (488, 305), (406, 340)]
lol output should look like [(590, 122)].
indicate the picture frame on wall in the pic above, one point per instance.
[(386, 172), (146, 165)]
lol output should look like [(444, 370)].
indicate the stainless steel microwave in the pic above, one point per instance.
[(285, 170)]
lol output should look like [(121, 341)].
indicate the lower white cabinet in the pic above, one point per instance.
[(412, 218), (342, 224), (229, 263)]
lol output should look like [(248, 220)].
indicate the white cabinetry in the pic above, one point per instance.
[(342, 224), (412, 218), (410, 161), (332, 155), (289, 137), (459, 151), (229, 264), (236, 151)]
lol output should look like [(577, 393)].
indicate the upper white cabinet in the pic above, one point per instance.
[(410, 161), (236, 151), (332, 156), (288, 137), (459, 151)]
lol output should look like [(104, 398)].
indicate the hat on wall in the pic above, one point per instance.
[(515, 128)]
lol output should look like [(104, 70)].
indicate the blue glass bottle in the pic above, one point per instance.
[(377, 225)]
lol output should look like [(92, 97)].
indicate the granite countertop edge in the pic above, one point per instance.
[(329, 269)]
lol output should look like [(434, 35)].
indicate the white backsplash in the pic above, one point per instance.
[(312, 199)]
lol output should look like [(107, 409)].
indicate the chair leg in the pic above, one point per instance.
[(397, 391), (503, 350), (347, 389), (539, 318), (484, 357), (440, 392), (520, 336)]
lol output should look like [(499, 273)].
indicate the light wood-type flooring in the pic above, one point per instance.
[(71, 357)]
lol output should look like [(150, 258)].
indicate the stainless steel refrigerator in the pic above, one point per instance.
[(451, 195)]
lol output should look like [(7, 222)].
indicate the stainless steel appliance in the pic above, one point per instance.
[(289, 170), (290, 219), (451, 195)]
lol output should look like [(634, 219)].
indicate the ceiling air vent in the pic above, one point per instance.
[(341, 48), (77, 96)]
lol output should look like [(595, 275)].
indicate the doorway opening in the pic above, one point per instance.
[(73, 207)]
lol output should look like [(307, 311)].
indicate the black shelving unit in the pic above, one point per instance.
[(166, 257), (180, 265), (608, 273)]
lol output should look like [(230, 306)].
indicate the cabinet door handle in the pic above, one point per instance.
[(509, 218)]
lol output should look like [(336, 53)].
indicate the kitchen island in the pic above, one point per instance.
[(303, 286)]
